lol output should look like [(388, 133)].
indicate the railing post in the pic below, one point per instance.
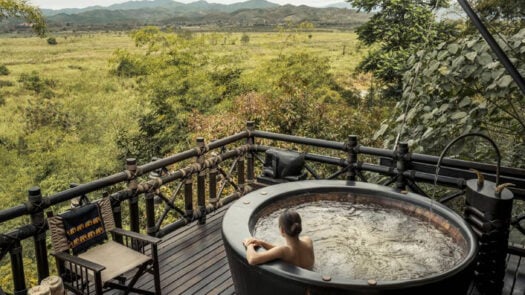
[(131, 165), (402, 165), (38, 220), (188, 196), (250, 126), (151, 228), (17, 268), (116, 204), (240, 174), (352, 157), (201, 183), (150, 213), (212, 188)]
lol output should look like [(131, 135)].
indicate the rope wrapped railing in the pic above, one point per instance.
[(213, 175)]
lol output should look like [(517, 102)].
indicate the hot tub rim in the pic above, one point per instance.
[(234, 230)]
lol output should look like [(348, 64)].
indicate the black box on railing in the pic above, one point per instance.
[(282, 166)]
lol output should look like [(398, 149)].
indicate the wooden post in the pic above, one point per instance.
[(402, 165), (352, 158), (17, 268), (134, 224), (250, 126), (37, 219), (201, 183)]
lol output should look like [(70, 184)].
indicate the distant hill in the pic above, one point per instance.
[(340, 5), (253, 15), (168, 4)]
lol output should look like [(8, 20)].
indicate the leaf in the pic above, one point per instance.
[(426, 118), (442, 55), (492, 65), (505, 81), (469, 70), (485, 59), (465, 102), (486, 77), (400, 118), (471, 55), (471, 43), (497, 73), (428, 132), (444, 107), (453, 48), (433, 66), (458, 61), (381, 131), (458, 115)]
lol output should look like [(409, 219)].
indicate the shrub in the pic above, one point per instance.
[(52, 41), (33, 82), (4, 71), (5, 83), (245, 39), (127, 65)]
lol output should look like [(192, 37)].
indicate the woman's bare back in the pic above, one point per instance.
[(300, 253)]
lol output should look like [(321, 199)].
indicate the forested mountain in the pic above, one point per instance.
[(198, 6), (253, 14)]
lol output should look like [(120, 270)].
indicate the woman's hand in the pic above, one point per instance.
[(251, 241)]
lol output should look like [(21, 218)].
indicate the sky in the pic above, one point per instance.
[(59, 4)]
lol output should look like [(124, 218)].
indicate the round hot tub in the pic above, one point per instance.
[(281, 278)]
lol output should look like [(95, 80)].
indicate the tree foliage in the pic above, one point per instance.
[(180, 77), (296, 93), (501, 10), (461, 87), (192, 92), (20, 8), (398, 29)]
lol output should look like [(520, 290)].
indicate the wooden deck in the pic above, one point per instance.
[(193, 261)]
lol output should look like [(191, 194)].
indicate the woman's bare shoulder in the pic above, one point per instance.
[(307, 240)]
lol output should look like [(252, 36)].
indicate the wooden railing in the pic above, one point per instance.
[(223, 171)]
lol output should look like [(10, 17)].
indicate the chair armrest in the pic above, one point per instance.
[(79, 261), (136, 236)]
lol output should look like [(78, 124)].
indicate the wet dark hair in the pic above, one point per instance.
[(290, 222)]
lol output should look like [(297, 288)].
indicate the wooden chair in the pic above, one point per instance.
[(87, 260)]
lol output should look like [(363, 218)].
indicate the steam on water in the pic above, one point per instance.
[(366, 241)]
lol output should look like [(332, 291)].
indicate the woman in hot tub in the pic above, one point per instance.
[(297, 250)]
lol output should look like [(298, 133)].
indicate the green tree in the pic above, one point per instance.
[(461, 87), (295, 93), (502, 12), (181, 79), (52, 41), (245, 39), (398, 29), (20, 8), (4, 71)]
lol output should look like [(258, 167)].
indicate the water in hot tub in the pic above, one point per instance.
[(366, 241)]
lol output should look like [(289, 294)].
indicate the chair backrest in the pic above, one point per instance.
[(80, 228)]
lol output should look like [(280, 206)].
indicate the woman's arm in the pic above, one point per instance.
[(258, 243), (255, 257)]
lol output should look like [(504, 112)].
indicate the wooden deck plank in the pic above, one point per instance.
[(519, 284), (510, 274), (194, 275), (204, 278), (219, 281)]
